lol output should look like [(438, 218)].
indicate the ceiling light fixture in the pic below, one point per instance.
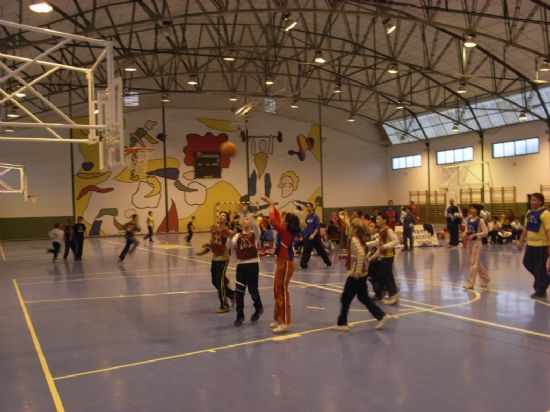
[(455, 128), (399, 105), (193, 80), (9, 129), (390, 27), (290, 24), (41, 7), (20, 94), (522, 116), (461, 88), (351, 118), (319, 57), (269, 81), (337, 89), (469, 41), (233, 98), (393, 69), (165, 98), (545, 66), (13, 113), (294, 104), (229, 56)]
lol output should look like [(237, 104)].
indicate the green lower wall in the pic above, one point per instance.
[(26, 228)]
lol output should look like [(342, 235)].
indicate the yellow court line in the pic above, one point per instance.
[(497, 291), (274, 339), (120, 277), (177, 292), (51, 384)]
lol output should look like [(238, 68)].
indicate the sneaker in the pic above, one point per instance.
[(238, 322), (537, 295), (256, 315), (382, 322), (485, 284), (392, 300), (468, 286), (282, 328), (273, 325), (341, 328), (120, 260), (223, 309)]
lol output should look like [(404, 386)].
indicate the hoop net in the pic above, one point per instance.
[(136, 160)]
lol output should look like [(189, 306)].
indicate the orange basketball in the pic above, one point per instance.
[(228, 149)]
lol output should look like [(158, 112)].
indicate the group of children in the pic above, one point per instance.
[(71, 235), (375, 250)]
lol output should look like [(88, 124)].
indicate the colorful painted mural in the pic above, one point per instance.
[(169, 187)]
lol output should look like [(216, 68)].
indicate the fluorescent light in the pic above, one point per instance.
[(290, 24), (337, 89), (9, 129), (269, 81), (461, 88), (399, 105), (165, 98), (13, 114), (351, 118), (469, 41), (294, 104), (20, 94), (545, 66), (522, 116), (41, 7), (193, 80), (130, 69), (455, 128), (393, 69), (96, 111), (390, 27), (319, 58), (233, 98)]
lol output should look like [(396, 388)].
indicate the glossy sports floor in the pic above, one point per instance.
[(96, 335)]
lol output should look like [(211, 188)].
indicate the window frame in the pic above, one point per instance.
[(405, 160), (513, 142), (453, 150)]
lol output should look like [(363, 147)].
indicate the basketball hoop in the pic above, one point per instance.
[(32, 199)]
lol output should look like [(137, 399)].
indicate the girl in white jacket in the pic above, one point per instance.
[(356, 283)]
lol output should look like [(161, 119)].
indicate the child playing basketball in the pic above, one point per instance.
[(476, 230)]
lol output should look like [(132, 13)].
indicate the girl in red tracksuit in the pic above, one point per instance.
[(286, 231)]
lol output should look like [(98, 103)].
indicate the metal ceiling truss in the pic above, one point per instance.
[(169, 40)]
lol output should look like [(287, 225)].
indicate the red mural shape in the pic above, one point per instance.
[(170, 222), (206, 143)]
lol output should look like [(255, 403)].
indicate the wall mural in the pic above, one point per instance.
[(148, 182)]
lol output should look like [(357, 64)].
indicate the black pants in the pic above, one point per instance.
[(247, 275), (493, 236), (353, 287), (132, 242), (149, 234), (309, 245), (453, 229), (385, 274), (69, 245), (78, 247), (189, 236), (374, 278), (220, 281), (534, 261), (56, 248), (408, 241)]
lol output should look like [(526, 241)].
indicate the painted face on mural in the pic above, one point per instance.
[(286, 186)]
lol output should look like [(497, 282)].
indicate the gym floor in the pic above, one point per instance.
[(96, 335)]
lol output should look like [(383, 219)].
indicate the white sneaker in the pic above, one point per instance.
[(273, 325), (392, 300), (340, 328), (282, 328), (382, 322)]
